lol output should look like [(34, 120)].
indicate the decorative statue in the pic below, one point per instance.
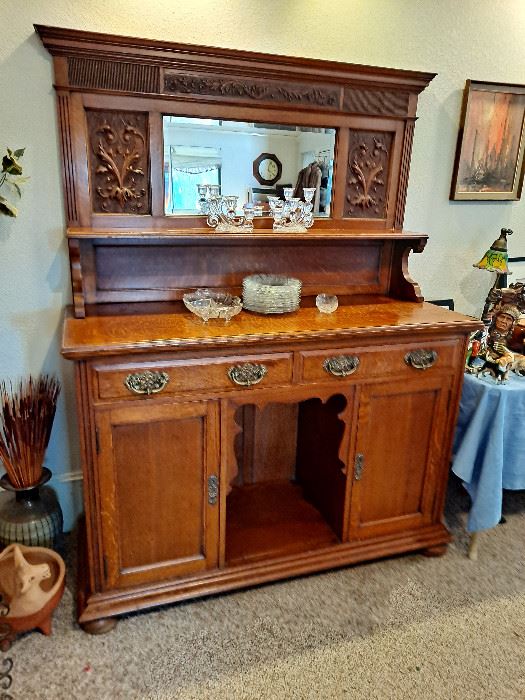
[(31, 584), (488, 349), (22, 584), (477, 348)]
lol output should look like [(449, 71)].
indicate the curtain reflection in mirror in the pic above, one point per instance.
[(187, 167)]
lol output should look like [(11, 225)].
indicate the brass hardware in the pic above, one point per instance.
[(247, 374), (341, 365), (421, 359), (146, 382), (358, 466), (213, 489)]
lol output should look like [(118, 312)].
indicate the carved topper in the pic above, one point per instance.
[(118, 162), (251, 89), (367, 174)]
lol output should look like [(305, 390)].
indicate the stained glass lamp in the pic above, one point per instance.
[(495, 260)]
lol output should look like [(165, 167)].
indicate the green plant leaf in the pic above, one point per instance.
[(19, 152), (7, 208), (10, 164)]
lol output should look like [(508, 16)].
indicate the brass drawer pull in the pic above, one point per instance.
[(341, 365), (213, 489), (247, 374), (421, 359), (146, 382)]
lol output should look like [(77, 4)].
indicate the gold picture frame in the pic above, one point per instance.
[(489, 162)]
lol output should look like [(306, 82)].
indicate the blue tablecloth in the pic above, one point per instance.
[(489, 446)]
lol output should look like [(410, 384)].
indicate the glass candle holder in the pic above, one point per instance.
[(326, 303)]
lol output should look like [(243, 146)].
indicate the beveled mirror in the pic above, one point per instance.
[(247, 159)]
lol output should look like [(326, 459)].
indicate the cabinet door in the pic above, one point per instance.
[(157, 483), (400, 454)]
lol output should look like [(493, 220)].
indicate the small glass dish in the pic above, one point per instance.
[(208, 303), (326, 303)]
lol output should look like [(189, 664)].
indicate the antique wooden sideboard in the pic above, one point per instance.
[(197, 480)]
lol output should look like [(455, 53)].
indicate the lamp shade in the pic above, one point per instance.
[(496, 257)]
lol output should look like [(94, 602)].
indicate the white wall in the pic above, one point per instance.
[(478, 39)]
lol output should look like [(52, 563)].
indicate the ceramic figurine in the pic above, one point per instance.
[(477, 348), (22, 585), (31, 584), (496, 359)]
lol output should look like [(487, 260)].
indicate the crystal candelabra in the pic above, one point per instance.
[(222, 210), (292, 215)]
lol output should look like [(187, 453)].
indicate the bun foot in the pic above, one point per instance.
[(5, 644), (102, 626), (45, 627), (437, 551)]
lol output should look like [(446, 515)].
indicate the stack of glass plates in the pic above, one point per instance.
[(271, 294)]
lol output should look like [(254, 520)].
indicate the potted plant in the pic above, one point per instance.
[(11, 178), (30, 513)]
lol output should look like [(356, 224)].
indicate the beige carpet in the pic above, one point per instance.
[(410, 627)]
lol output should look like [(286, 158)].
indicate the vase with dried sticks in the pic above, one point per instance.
[(30, 513)]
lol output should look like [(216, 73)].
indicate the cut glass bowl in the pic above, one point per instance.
[(208, 303)]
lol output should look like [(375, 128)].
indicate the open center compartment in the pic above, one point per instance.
[(287, 482)]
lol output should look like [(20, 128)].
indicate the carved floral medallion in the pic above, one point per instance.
[(367, 175), (118, 158)]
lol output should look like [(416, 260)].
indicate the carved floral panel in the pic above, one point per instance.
[(119, 162), (367, 175)]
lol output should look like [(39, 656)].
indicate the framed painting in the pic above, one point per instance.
[(489, 157)]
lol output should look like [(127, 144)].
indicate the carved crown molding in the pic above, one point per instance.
[(126, 64), (251, 89)]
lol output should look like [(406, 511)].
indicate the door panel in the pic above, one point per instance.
[(399, 445), (154, 465)]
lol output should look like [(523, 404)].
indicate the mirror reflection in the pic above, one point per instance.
[(251, 161)]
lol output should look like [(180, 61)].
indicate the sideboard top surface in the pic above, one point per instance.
[(178, 329), (209, 235)]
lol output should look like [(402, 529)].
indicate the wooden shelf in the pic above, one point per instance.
[(179, 329), (207, 234), (272, 519)]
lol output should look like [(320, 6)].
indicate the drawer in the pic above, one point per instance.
[(129, 380), (378, 361)]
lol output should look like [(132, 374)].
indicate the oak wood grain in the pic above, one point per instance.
[(109, 335), (208, 486)]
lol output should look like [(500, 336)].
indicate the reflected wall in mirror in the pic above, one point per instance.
[(200, 151)]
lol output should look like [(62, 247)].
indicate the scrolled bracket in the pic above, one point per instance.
[(147, 382), (341, 365), (247, 374), (421, 359)]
